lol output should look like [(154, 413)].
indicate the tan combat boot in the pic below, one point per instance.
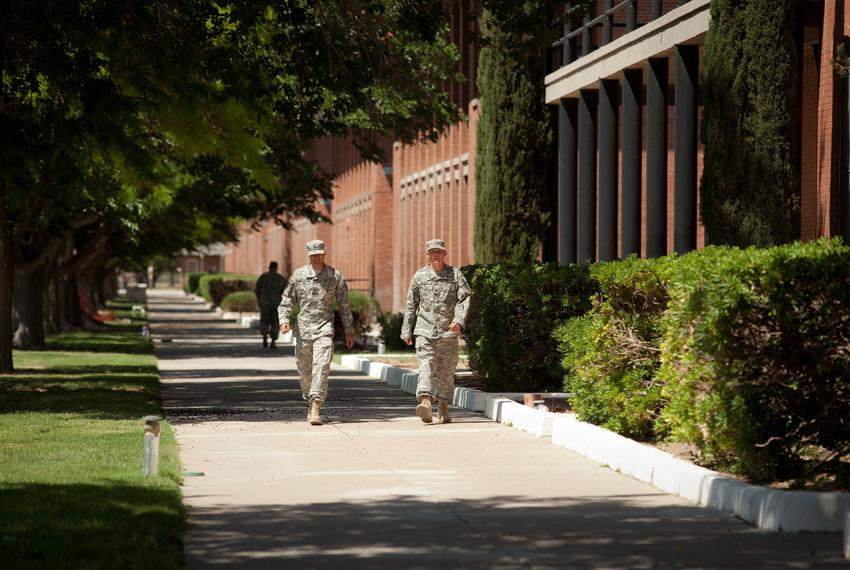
[(314, 416), (443, 413), (423, 410)]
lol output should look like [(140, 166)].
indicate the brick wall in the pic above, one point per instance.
[(433, 190)]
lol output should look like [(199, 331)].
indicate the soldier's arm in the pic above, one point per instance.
[(410, 309), (258, 287), (464, 295), (287, 300), (342, 302)]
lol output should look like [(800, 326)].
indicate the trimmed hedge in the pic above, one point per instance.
[(611, 354), (241, 301), (509, 330), (214, 287), (756, 360)]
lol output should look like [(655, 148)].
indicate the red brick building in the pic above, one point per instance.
[(625, 94)]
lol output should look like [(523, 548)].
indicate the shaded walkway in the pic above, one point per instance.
[(374, 488)]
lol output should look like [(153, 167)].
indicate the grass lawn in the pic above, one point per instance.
[(72, 493)]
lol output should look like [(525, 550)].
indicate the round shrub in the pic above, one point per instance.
[(612, 354), (391, 332)]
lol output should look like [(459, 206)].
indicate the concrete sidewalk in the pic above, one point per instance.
[(375, 488)]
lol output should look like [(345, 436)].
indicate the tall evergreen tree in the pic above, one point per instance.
[(750, 189), (514, 135)]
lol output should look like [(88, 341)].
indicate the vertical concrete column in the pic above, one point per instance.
[(632, 159), (685, 163), (587, 112), (609, 101), (567, 181), (656, 158)]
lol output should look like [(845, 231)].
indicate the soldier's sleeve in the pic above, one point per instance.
[(410, 309), (289, 297), (464, 294), (342, 302), (258, 287)]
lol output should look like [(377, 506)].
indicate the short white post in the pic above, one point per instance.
[(151, 464)]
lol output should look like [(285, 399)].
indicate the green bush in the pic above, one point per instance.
[(363, 310), (391, 332), (193, 280), (214, 287), (611, 355), (756, 362), (514, 309), (241, 301)]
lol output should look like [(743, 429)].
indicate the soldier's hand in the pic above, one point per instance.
[(284, 328), (349, 340), (408, 341), (455, 327)]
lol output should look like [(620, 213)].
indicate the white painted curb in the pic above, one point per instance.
[(764, 508)]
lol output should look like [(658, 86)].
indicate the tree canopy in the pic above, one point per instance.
[(155, 126)]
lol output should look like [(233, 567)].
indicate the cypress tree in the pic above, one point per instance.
[(514, 135), (749, 189)]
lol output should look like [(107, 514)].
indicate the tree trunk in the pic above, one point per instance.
[(28, 308), (51, 299), (7, 283), (7, 286)]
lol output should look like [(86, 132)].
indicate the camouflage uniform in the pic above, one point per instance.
[(268, 289), (434, 301), (313, 293)]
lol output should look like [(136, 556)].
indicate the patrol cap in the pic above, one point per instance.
[(435, 244), (315, 247)]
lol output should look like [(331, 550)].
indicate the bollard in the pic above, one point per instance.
[(151, 462), (382, 348)]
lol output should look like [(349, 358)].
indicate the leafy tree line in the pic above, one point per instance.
[(133, 130)]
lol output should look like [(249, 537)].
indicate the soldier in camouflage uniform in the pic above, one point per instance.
[(312, 288), (268, 289), (438, 302)]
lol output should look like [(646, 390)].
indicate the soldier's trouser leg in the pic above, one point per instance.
[(314, 363), (437, 363)]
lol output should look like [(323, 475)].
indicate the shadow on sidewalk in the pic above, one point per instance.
[(497, 532)]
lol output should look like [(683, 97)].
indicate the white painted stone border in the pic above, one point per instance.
[(764, 508)]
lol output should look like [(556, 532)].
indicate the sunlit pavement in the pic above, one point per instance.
[(376, 488)]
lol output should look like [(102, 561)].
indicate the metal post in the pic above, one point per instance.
[(585, 35), (567, 177), (151, 457), (609, 100), (631, 16), (656, 9), (588, 101), (632, 183), (569, 52), (656, 158), (685, 165)]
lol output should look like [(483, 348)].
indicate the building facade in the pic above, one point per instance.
[(625, 95)]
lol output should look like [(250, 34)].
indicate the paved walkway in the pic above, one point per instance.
[(375, 488)]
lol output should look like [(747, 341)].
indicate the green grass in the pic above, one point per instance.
[(72, 493)]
